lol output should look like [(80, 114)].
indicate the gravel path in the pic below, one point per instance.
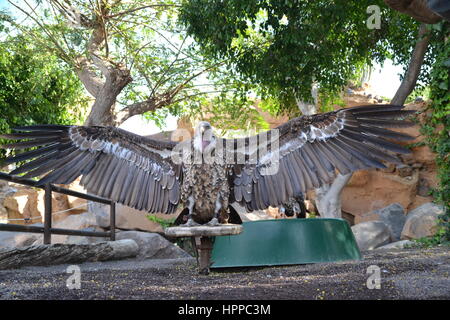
[(404, 274)]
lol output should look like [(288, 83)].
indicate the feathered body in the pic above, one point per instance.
[(207, 184)]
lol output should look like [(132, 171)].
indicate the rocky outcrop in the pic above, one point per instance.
[(153, 245), (372, 234), (393, 216), (25, 205), (52, 254), (371, 190), (422, 221), (127, 218)]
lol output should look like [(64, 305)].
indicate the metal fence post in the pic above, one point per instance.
[(112, 221), (48, 214)]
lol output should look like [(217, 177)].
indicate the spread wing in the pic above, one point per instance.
[(115, 164), (311, 150)]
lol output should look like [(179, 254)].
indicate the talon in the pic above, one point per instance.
[(190, 223), (214, 222)]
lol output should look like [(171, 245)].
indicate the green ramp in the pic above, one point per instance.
[(286, 241)]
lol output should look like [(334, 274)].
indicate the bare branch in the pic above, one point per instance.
[(140, 8)]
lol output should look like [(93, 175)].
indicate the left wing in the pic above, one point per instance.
[(311, 149)]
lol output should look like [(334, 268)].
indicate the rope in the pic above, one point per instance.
[(54, 213)]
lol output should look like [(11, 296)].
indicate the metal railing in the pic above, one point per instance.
[(47, 229)]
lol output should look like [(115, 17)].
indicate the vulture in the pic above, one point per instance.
[(207, 173)]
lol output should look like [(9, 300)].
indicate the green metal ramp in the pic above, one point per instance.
[(286, 241)]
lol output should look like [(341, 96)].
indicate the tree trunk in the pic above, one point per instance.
[(102, 111), (328, 197), (412, 73)]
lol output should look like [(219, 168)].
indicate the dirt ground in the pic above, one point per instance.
[(404, 274)]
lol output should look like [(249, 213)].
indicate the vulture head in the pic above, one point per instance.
[(204, 139)]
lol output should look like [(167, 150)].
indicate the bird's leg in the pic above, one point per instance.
[(190, 222), (215, 220)]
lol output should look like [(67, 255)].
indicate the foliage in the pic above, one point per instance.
[(428, 242), (286, 46), (165, 223), (141, 37), (437, 126), (35, 88)]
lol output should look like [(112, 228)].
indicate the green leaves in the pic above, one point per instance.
[(35, 88), (437, 127), (285, 46)]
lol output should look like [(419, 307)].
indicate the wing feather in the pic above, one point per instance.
[(313, 149), (113, 163)]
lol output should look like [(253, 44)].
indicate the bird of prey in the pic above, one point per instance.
[(203, 176)]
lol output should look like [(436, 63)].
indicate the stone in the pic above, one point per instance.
[(52, 254), (394, 217), (423, 188), (396, 245), (381, 190), (22, 206), (84, 239), (26, 206), (359, 179), (422, 221), (371, 234), (18, 239), (390, 168), (77, 205), (3, 214), (128, 218), (404, 171), (153, 245), (73, 222)]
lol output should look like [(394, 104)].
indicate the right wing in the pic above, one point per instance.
[(116, 164)]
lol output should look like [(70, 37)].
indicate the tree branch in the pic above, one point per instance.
[(412, 73)]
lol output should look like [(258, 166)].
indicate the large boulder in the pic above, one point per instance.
[(371, 234), (422, 221), (372, 189), (85, 221), (393, 216), (153, 245), (51, 254), (127, 218), (74, 222)]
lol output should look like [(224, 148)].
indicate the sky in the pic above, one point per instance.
[(385, 80)]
